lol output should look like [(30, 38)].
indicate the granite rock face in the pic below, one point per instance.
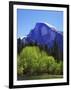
[(46, 35)]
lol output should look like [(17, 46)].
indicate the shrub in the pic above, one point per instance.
[(33, 61), (20, 67)]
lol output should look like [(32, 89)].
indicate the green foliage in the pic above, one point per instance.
[(20, 67), (59, 68), (32, 60)]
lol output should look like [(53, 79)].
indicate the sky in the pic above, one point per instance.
[(27, 19)]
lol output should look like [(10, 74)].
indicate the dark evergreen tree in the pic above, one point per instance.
[(56, 52), (19, 45)]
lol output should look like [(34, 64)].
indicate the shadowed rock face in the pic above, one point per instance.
[(44, 34)]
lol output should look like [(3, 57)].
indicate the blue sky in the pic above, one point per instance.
[(27, 19)]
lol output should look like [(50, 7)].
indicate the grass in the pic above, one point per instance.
[(36, 77)]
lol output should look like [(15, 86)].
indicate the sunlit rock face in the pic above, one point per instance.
[(45, 34)]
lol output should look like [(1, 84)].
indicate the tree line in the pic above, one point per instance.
[(54, 51)]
